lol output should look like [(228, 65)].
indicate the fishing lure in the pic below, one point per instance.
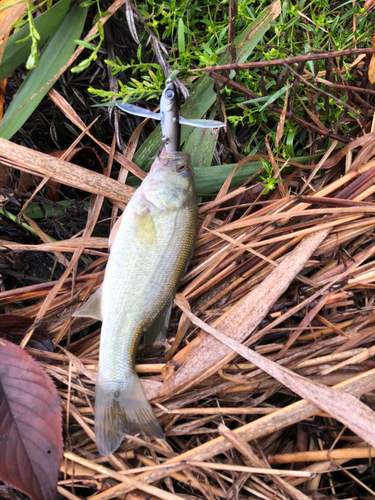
[(170, 117)]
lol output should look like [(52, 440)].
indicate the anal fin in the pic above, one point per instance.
[(154, 335)]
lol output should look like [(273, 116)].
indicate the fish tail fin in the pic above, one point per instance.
[(120, 411)]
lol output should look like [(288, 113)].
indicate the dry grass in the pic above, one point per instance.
[(291, 276)]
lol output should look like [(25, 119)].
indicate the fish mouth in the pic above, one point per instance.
[(166, 156)]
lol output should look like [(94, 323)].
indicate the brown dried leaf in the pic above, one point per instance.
[(371, 70), (131, 23), (30, 425), (280, 125), (9, 17)]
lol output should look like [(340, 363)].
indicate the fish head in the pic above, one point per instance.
[(170, 182), (169, 102)]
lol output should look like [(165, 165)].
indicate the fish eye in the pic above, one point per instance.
[(184, 171), (169, 94)]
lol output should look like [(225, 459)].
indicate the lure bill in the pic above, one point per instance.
[(170, 117), (150, 248)]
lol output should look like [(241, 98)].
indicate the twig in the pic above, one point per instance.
[(251, 470), (320, 455), (288, 60)]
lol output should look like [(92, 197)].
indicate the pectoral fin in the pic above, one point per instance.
[(201, 123), (145, 227), (137, 110), (92, 307)]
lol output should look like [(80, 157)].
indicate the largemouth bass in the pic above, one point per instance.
[(150, 248)]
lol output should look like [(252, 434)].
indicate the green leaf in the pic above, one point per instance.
[(88, 3), (41, 210), (208, 180), (202, 96), (87, 45), (174, 73), (201, 146), (16, 53), (55, 54), (273, 98), (100, 29), (181, 36), (207, 49), (36, 34), (92, 37), (289, 142), (81, 66)]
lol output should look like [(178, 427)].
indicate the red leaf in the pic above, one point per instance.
[(13, 328), (30, 425)]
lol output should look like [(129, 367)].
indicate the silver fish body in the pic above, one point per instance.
[(152, 246)]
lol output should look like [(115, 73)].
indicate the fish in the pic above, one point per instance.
[(151, 245), (170, 117)]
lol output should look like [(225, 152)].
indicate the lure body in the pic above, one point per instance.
[(151, 246), (170, 117)]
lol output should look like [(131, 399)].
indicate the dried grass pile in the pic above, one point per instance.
[(259, 404)]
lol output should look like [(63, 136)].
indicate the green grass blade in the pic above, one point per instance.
[(208, 180), (45, 24), (181, 36), (202, 96), (201, 146), (273, 98), (55, 54)]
